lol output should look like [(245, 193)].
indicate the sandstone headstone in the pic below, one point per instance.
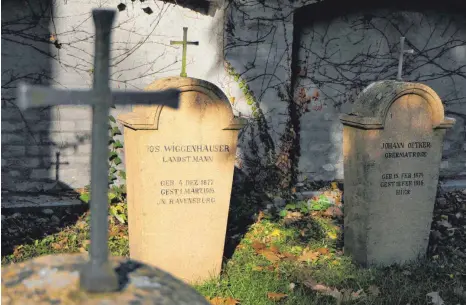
[(392, 147), (179, 177)]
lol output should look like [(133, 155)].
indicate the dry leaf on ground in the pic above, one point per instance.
[(269, 255), (289, 256), (333, 212), (309, 256), (56, 246), (323, 251), (223, 301), (344, 295), (311, 283), (274, 296), (258, 246)]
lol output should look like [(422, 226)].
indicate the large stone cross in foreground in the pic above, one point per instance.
[(97, 276)]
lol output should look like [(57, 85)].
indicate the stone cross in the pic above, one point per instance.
[(97, 275), (185, 43), (400, 60)]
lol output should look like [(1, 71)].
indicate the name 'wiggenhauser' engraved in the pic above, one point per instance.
[(189, 148)]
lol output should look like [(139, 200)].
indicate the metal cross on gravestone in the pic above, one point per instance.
[(97, 275), (185, 43), (400, 60)]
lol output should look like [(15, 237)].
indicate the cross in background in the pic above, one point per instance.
[(400, 60), (185, 43)]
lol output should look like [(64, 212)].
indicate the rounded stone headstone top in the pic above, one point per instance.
[(198, 98), (54, 279), (372, 104)]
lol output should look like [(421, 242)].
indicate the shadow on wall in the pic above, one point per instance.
[(36, 143), (33, 151)]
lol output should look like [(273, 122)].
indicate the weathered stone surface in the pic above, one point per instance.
[(54, 279), (392, 153), (180, 166)]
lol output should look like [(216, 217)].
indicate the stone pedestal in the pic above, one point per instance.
[(392, 146), (180, 166), (54, 279)]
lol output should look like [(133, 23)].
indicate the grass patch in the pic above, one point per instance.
[(325, 276), (71, 239), (292, 257)]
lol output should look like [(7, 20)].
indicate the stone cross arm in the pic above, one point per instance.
[(40, 96)]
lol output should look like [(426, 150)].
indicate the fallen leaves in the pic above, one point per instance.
[(262, 268), (275, 296), (257, 245), (323, 251), (333, 211), (342, 295), (309, 256), (289, 256), (222, 301), (269, 255)]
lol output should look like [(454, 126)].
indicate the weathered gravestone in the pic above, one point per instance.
[(72, 279), (179, 178), (392, 147)]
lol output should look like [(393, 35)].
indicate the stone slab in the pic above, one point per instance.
[(54, 279)]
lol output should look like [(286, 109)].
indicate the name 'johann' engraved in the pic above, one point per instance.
[(397, 145), (405, 154)]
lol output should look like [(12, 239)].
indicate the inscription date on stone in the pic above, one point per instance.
[(402, 181), (187, 191)]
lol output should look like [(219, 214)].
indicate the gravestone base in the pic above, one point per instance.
[(54, 279)]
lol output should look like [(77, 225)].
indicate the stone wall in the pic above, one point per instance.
[(291, 77)]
